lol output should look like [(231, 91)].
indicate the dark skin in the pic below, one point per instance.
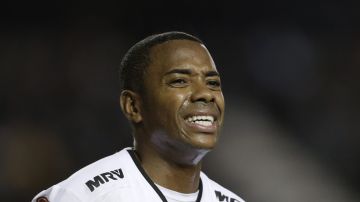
[(181, 83)]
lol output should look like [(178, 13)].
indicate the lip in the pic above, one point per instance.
[(201, 128), (203, 113)]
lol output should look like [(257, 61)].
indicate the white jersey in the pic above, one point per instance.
[(120, 177)]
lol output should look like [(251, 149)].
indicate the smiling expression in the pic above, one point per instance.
[(183, 101)]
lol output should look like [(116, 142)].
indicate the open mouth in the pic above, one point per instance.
[(201, 120), (202, 123)]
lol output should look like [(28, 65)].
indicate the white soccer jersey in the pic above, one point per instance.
[(120, 177)]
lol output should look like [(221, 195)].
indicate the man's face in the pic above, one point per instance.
[(183, 101)]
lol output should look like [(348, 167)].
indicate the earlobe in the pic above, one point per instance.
[(130, 105)]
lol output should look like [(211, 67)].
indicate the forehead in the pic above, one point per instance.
[(180, 54)]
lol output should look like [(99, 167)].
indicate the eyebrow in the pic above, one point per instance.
[(211, 73), (188, 72), (179, 71)]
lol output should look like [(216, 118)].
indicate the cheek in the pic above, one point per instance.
[(173, 102), (165, 107), (221, 103)]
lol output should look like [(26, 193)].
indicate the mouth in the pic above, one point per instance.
[(202, 123), (201, 120)]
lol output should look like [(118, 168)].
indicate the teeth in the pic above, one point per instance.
[(202, 120), (204, 123)]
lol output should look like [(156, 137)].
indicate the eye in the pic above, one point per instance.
[(179, 82), (214, 83)]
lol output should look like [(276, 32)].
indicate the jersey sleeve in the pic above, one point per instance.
[(56, 194)]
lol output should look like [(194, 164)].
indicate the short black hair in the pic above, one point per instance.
[(137, 58)]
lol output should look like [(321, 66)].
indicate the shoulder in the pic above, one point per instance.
[(56, 193), (221, 193), (97, 178), (105, 170)]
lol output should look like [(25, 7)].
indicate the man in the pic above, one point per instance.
[(172, 96)]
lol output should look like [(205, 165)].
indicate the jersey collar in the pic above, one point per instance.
[(152, 184)]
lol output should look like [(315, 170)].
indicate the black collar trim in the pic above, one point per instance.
[(161, 195)]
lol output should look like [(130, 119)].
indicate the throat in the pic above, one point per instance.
[(184, 179), (170, 174)]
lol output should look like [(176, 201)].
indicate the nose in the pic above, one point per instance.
[(201, 93)]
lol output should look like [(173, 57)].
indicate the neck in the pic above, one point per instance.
[(169, 171)]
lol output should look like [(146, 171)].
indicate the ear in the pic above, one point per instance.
[(130, 105)]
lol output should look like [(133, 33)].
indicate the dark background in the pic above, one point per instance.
[(290, 74)]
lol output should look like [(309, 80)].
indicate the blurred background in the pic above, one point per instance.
[(290, 74)]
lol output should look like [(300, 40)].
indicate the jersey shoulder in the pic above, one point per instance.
[(97, 178), (221, 193)]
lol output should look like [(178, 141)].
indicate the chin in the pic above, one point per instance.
[(206, 143)]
